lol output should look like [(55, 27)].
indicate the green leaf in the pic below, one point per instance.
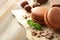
[(35, 25), (38, 26), (31, 23)]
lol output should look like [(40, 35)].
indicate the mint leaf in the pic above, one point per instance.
[(31, 23), (38, 26)]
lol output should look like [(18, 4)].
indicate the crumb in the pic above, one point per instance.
[(47, 34), (38, 36), (34, 34), (51, 37), (25, 17), (41, 32), (43, 35), (56, 36)]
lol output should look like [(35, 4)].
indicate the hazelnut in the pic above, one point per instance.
[(24, 3), (28, 8)]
